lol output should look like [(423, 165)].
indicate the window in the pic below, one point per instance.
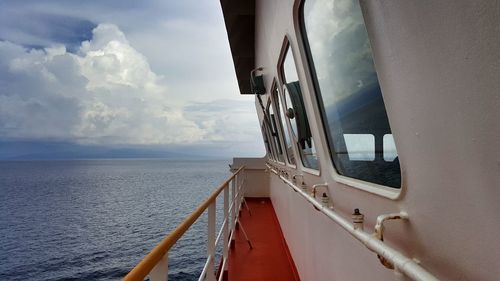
[(274, 133), (280, 116), (390, 152), (266, 141), (296, 113), (360, 147), (347, 85)]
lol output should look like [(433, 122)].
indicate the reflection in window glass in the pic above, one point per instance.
[(348, 89), (360, 147), (390, 152), (266, 142), (279, 116), (288, 104), (274, 133), (274, 149), (296, 113)]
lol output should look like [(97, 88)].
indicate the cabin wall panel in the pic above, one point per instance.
[(257, 183), (255, 175), (321, 249), (438, 65), (298, 222)]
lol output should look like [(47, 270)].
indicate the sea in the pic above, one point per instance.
[(96, 219)]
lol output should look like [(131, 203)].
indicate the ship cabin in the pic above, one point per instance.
[(381, 124)]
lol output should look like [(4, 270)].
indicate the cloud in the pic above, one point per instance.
[(224, 120), (106, 93), (135, 81), (340, 48), (29, 106)]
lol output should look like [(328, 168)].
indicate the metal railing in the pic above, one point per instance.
[(402, 265), (155, 264)]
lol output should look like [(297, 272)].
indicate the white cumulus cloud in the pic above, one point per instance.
[(105, 93), (136, 84)]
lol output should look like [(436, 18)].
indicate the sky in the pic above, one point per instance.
[(114, 73)]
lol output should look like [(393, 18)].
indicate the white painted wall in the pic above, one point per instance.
[(439, 66), (256, 176)]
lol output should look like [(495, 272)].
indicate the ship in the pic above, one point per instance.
[(381, 125)]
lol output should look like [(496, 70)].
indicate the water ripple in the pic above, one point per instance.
[(95, 219)]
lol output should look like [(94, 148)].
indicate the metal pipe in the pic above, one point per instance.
[(221, 232), (403, 264), (379, 227), (272, 169), (205, 269), (221, 276), (211, 240)]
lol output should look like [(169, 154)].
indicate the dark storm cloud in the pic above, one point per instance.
[(65, 30), (62, 19)]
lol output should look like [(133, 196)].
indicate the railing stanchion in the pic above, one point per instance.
[(238, 192), (233, 201), (160, 271), (211, 242), (226, 226), (155, 263)]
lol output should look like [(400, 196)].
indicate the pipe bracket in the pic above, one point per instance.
[(379, 232)]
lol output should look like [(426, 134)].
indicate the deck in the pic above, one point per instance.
[(269, 259)]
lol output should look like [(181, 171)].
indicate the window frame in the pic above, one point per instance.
[(269, 134), (266, 141), (277, 138), (286, 46), (277, 106), (310, 72)]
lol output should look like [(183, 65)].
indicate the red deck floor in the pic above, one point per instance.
[(269, 259)]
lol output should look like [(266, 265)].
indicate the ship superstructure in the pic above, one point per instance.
[(380, 120)]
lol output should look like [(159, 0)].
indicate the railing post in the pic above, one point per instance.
[(226, 225), (211, 242), (234, 199), (240, 195), (160, 271), (155, 265)]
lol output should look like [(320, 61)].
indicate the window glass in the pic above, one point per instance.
[(266, 141), (272, 149), (390, 152), (360, 147), (270, 141), (274, 133), (288, 104), (296, 113), (288, 142), (349, 92)]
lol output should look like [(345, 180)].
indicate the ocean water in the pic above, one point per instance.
[(95, 219)]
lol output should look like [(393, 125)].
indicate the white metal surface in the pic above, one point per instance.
[(211, 243), (160, 271), (438, 66), (230, 218), (402, 263)]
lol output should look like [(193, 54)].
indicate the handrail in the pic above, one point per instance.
[(401, 263), (144, 267)]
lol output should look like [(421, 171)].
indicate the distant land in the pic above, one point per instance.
[(36, 150)]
